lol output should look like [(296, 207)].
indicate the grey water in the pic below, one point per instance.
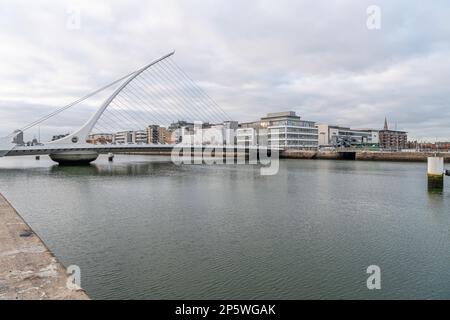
[(144, 228)]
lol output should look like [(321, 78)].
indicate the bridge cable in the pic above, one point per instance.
[(187, 99)]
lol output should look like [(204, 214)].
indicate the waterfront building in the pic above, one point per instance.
[(200, 132), (165, 136), (179, 130), (180, 124), (213, 135), (153, 134), (332, 135), (220, 134), (229, 131), (100, 138), (374, 136), (123, 137), (392, 139), (438, 146), (158, 135), (251, 134), (281, 129), (139, 136), (288, 131), (18, 138), (184, 135), (247, 136)]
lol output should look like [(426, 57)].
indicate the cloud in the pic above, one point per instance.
[(315, 57)]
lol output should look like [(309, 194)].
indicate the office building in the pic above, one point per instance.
[(338, 136), (229, 132), (288, 131), (281, 129), (247, 136), (220, 134), (179, 130), (374, 136)]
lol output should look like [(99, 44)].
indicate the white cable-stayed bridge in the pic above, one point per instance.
[(156, 94)]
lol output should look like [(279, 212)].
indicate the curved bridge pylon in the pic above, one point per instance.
[(82, 134)]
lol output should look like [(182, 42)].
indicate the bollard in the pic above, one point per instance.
[(38, 158), (110, 157), (435, 173)]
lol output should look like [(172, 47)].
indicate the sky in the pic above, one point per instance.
[(316, 57)]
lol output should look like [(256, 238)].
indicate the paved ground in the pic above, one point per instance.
[(28, 270)]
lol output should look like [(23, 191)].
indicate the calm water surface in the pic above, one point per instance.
[(145, 228)]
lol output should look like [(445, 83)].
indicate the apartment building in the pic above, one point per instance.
[(392, 139), (123, 137), (139, 136), (158, 135)]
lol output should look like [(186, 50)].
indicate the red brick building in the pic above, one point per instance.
[(392, 139)]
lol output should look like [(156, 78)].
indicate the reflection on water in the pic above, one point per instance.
[(142, 227), (111, 169)]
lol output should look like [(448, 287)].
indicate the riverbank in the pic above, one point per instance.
[(28, 270), (339, 155), (363, 155)]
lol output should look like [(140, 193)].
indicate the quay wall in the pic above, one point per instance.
[(400, 156), (28, 269), (338, 155), (364, 155)]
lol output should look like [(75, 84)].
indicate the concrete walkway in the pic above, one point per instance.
[(28, 270)]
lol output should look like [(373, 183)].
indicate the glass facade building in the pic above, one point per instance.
[(285, 130), (288, 131)]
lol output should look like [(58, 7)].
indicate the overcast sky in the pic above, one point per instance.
[(315, 57)]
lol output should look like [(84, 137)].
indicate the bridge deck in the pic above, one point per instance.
[(106, 148)]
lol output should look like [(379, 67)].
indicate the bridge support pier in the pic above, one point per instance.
[(74, 157)]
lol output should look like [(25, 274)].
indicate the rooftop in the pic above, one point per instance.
[(284, 114)]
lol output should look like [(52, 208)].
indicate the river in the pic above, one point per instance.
[(144, 228)]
